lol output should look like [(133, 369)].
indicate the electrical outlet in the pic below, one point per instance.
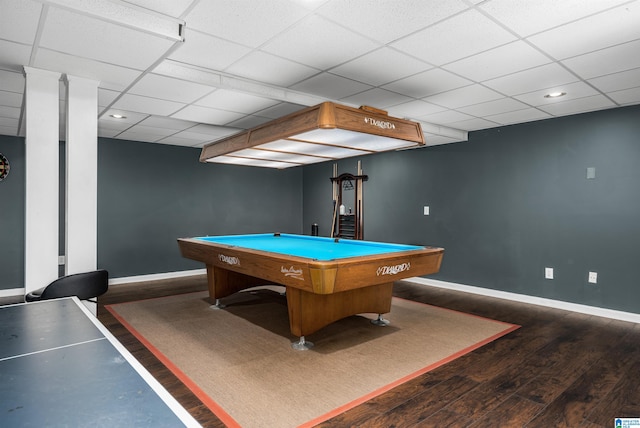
[(593, 277), (426, 210), (548, 273)]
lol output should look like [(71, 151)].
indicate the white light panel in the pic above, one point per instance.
[(353, 140), (332, 152), (277, 156), (251, 162)]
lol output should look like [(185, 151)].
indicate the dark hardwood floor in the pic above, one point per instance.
[(560, 369)]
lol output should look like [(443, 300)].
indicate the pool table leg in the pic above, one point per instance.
[(309, 312), (380, 321), (223, 283)]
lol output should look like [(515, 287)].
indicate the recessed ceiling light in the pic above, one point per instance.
[(118, 116), (555, 94)]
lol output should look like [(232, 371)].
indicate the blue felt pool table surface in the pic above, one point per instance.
[(312, 247)]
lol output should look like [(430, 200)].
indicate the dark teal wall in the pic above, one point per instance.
[(512, 201), (504, 205), (151, 194), (148, 196)]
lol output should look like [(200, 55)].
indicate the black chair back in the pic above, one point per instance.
[(87, 285)]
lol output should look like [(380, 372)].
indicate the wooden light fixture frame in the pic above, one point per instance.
[(327, 115)]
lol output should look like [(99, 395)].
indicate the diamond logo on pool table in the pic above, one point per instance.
[(230, 260), (393, 270)]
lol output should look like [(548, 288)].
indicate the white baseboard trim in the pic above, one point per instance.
[(12, 292), (523, 298), (540, 301), (156, 276)]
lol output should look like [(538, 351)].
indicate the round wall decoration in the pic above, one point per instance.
[(4, 167)]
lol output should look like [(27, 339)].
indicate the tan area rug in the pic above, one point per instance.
[(240, 363)]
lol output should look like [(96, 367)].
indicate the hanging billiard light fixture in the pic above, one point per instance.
[(325, 132)]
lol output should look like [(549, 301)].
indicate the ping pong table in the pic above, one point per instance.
[(59, 366)]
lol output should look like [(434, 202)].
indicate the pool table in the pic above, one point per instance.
[(326, 279)]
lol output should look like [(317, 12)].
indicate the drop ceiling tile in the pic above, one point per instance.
[(246, 22), (167, 88), (503, 105), (224, 99), (319, 43), (465, 96), (606, 29), (606, 61), (507, 59), (386, 21), (580, 105), (213, 131), (8, 122), (10, 112), (330, 86), (527, 17), (148, 105), (145, 133), (110, 76), (8, 130), (414, 109), (445, 117), (207, 51), (627, 96), (19, 20), (174, 8), (10, 99), (130, 118), (249, 121), (519, 116), (436, 140), (179, 141), (598, 39), (279, 110), (573, 91), (167, 123), (267, 68), (201, 138), (543, 77), (458, 37), (13, 56), (83, 36), (193, 137), (381, 66), (376, 97), (617, 81), (206, 115), (11, 81), (137, 136), (106, 97), (427, 83), (474, 124), (107, 132)]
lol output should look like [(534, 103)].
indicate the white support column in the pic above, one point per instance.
[(41, 178), (81, 175)]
